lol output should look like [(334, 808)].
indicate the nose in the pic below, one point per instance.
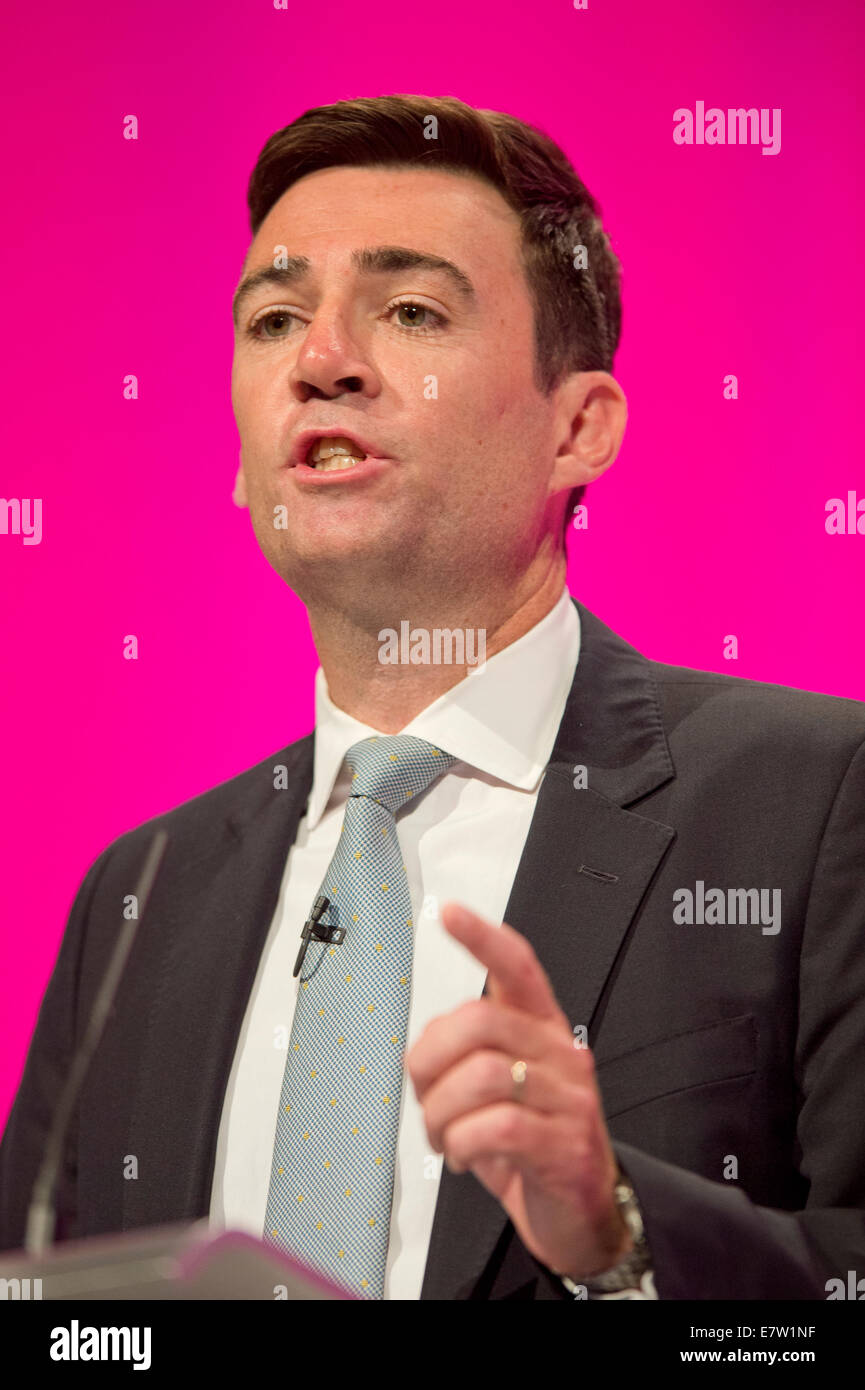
[(330, 360)]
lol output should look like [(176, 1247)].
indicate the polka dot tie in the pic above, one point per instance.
[(331, 1184)]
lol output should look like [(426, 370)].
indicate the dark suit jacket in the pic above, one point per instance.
[(731, 1061)]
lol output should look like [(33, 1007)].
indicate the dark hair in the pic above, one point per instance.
[(577, 312)]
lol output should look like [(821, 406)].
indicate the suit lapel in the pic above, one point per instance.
[(213, 916), (585, 868)]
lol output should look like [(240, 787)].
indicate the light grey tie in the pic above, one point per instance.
[(331, 1184)]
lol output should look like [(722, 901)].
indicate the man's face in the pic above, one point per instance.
[(434, 377)]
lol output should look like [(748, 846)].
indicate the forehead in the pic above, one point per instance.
[(455, 215)]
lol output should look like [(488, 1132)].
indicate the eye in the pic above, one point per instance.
[(411, 306), (267, 317)]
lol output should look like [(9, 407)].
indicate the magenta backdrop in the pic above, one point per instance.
[(121, 257)]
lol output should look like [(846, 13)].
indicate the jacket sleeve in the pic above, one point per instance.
[(50, 1053), (707, 1239)]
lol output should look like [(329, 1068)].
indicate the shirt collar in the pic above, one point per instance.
[(502, 718)]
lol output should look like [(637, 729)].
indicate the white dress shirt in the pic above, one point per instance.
[(461, 840)]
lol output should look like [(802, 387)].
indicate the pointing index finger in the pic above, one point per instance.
[(517, 977)]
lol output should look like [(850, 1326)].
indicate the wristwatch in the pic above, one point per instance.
[(629, 1272)]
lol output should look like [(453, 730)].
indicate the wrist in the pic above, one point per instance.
[(613, 1242), (630, 1261), (629, 1272), (618, 1242)]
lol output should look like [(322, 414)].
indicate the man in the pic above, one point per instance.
[(643, 1081)]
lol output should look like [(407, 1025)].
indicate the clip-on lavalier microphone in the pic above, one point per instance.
[(313, 927)]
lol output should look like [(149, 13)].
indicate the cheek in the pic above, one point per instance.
[(250, 404), (239, 397), (467, 416)]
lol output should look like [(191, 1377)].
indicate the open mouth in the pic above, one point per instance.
[(334, 453)]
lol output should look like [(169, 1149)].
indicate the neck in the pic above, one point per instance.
[(388, 695)]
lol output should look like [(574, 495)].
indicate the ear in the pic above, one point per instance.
[(239, 496), (591, 415)]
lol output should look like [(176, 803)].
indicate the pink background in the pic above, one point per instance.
[(122, 257)]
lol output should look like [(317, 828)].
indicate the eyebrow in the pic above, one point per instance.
[(369, 260)]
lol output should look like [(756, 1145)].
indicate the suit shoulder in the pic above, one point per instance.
[(739, 704), (246, 791)]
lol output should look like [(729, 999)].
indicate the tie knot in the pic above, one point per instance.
[(392, 768)]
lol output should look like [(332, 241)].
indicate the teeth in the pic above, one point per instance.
[(332, 446), (338, 463)]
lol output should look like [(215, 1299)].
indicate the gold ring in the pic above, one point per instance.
[(518, 1072)]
